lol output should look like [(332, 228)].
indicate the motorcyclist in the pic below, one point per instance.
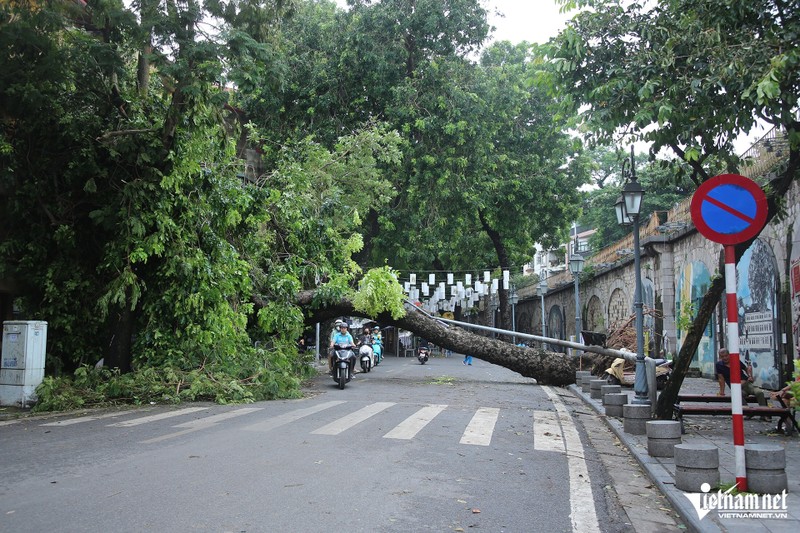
[(365, 339), (342, 338), (377, 343), (366, 336)]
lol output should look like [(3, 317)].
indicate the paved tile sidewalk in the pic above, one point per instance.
[(714, 430)]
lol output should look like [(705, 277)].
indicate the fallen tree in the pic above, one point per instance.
[(547, 368)]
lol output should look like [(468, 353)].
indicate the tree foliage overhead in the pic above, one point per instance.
[(685, 75), (132, 225), (126, 220)]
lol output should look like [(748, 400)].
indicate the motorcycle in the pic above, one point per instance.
[(365, 355), (342, 355), (377, 350), (622, 372), (422, 354)]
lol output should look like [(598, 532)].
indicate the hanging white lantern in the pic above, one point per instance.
[(495, 284), (413, 279), (406, 287), (425, 290), (486, 276), (431, 279), (468, 279)]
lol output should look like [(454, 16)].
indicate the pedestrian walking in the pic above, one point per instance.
[(468, 360)]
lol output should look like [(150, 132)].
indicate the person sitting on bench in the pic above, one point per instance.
[(723, 370)]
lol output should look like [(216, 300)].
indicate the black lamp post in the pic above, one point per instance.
[(576, 262), (628, 207)]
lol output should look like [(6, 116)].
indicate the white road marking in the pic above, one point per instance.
[(87, 418), (9, 422), (297, 414), (581, 501), (153, 418), (412, 425), (345, 423), (203, 423), (480, 428), (547, 434)]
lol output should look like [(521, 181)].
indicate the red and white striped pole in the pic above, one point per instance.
[(735, 365)]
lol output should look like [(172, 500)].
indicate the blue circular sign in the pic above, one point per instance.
[(729, 209)]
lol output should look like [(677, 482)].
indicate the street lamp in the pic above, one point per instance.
[(628, 207), (576, 266), (542, 290), (513, 297)]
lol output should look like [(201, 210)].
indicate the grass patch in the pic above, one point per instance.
[(444, 380)]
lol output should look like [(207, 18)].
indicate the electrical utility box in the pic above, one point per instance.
[(22, 361)]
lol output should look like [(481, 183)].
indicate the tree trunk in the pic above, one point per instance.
[(119, 349)]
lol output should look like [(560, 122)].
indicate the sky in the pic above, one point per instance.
[(535, 21)]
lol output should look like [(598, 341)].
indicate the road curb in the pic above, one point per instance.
[(657, 473)]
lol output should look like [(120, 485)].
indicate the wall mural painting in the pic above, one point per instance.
[(794, 275), (555, 326), (756, 295), (693, 282)]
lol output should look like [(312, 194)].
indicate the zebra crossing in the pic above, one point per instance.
[(547, 426)]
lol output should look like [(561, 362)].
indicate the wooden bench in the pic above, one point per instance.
[(709, 398), (785, 414)]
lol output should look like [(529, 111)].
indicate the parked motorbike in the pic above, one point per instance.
[(422, 354), (342, 356), (365, 355), (622, 372)]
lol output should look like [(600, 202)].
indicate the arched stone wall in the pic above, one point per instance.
[(619, 307), (555, 326), (595, 318)]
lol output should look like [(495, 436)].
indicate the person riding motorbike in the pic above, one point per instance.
[(366, 336), (366, 339), (377, 344), (342, 338)]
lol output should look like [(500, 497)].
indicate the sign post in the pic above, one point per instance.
[(730, 209)]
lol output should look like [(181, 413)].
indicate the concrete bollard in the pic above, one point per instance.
[(662, 436), (585, 382), (579, 374), (614, 403), (765, 468), (595, 388), (609, 389), (696, 464), (636, 416)]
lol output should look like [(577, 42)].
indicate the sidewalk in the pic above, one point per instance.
[(715, 430)]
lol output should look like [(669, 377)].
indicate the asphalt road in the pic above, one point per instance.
[(407, 447)]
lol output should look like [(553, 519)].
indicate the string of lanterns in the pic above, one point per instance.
[(464, 293)]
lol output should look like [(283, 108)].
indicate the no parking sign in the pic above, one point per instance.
[(729, 209)]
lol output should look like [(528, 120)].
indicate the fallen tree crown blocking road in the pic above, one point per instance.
[(547, 368)]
